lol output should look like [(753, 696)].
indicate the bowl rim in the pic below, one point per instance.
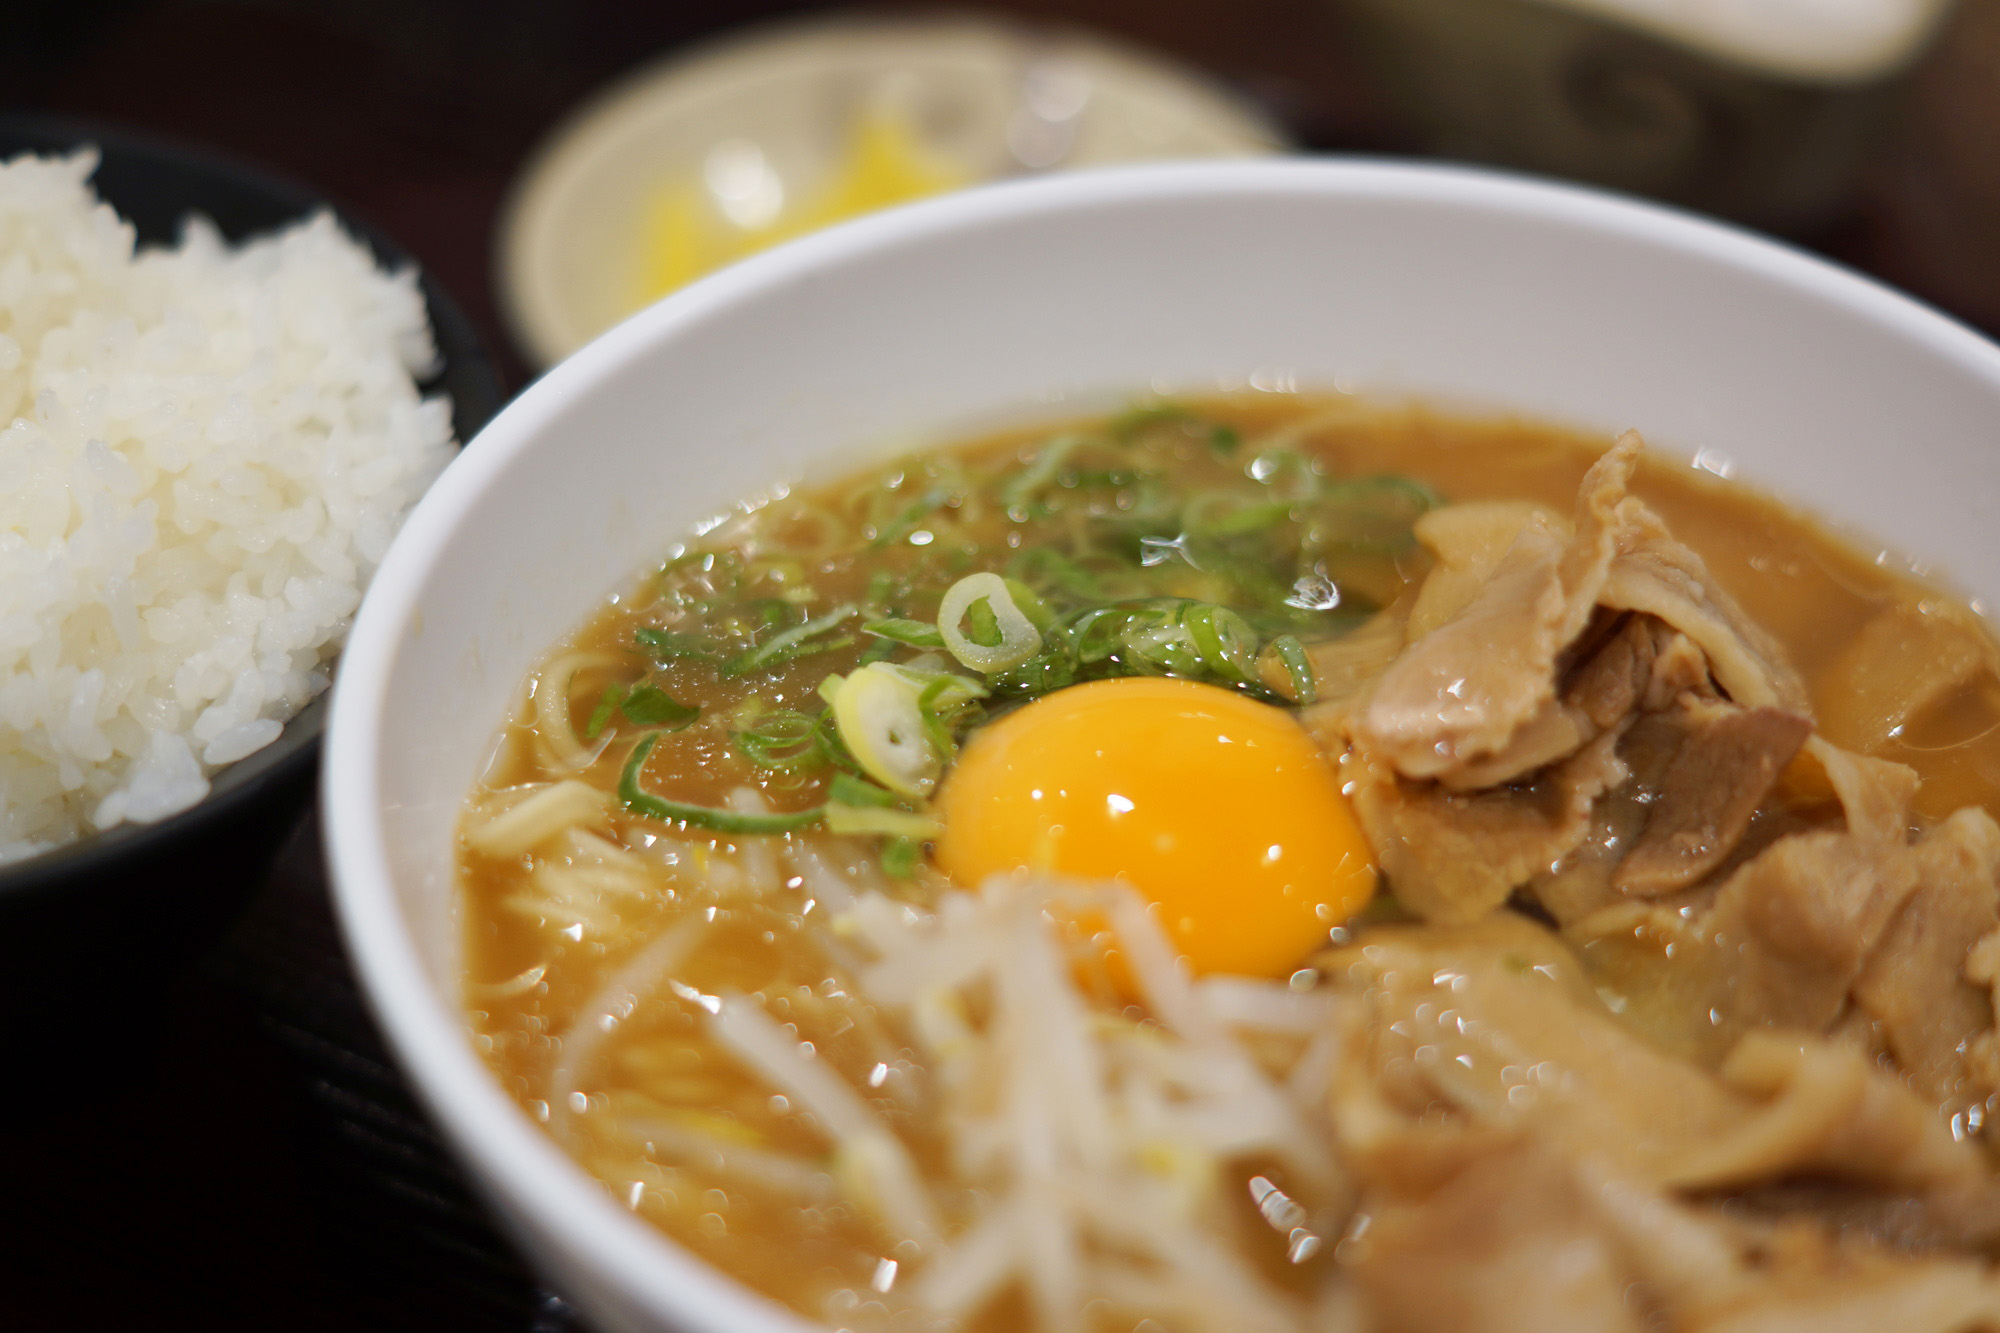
[(478, 395), (513, 1159)]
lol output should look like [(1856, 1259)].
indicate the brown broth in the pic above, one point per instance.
[(806, 1246)]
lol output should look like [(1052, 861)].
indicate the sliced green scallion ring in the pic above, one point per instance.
[(1225, 641), (784, 740), (641, 802), (1019, 640), (982, 626), (877, 712), (1292, 654)]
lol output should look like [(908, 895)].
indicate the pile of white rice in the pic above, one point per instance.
[(204, 452)]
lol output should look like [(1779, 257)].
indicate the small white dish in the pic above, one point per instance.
[(765, 119), (1815, 41), (1017, 300)]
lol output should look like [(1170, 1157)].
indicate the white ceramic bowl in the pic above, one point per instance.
[(1012, 300)]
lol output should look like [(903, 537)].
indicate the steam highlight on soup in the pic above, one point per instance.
[(1271, 862)]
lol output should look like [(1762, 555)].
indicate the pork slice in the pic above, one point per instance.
[(1914, 985), (1792, 928), (1612, 674), (1466, 543), (1510, 1243), (1462, 691), (1454, 857), (1722, 764), (1612, 680), (1854, 1289), (1342, 668), (1830, 1110), (1909, 659), (1554, 733), (1874, 794), (1497, 1022), (1679, 667), (1663, 577)]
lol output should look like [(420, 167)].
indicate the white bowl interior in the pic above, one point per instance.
[(1012, 301)]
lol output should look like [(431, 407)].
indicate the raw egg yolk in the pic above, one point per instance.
[(1218, 809)]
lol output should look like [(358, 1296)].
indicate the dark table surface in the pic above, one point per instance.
[(241, 1155)]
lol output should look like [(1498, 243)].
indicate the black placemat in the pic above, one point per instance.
[(396, 1211)]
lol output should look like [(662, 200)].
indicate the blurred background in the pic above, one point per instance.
[(1868, 130), (242, 1156)]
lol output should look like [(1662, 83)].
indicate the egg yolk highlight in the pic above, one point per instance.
[(1218, 809)]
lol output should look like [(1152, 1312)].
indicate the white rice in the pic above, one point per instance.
[(206, 452)]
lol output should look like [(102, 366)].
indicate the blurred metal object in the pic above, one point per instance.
[(1688, 103)]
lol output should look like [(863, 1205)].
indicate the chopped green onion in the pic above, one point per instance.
[(1018, 639), (785, 740), (826, 734), (879, 651), (1030, 605), (876, 713), (809, 648), (936, 684), (1041, 674), (885, 588), (1048, 567), (1128, 424), (789, 644), (1224, 439), (1371, 513), (642, 802), (671, 645), (981, 625), (777, 572), (1112, 478), (1292, 654), (1158, 642), (915, 633), (1095, 632), (1225, 640), (1287, 472), (600, 715), (846, 819), (1022, 487), (906, 522), (941, 700), (651, 706), (1225, 514), (901, 856), (850, 790)]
